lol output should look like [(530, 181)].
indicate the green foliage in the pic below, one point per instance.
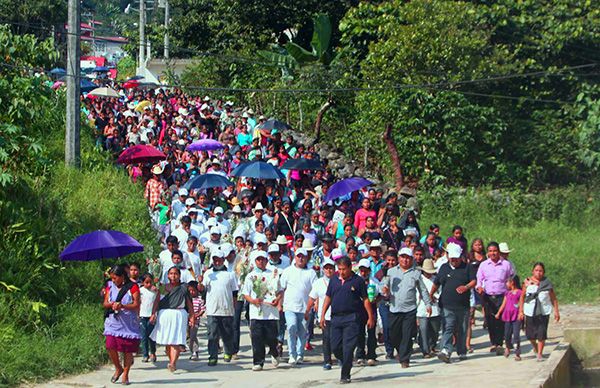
[(126, 68)]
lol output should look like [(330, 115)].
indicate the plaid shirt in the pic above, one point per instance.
[(154, 189)]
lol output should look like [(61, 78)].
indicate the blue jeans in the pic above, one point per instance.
[(384, 310), (296, 326), (148, 346), (455, 319)]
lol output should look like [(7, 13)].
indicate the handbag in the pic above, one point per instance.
[(126, 287)]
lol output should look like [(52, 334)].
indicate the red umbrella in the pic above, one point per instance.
[(131, 84), (141, 154)]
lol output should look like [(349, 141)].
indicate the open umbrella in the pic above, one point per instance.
[(207, 181), (346, 186), (140, 107), (258, 170), (302, 164), (101, 244), (57, 84), (205, 145), (131, 84), (141, 153), (100, 69), (272, 124), (104, 92), (135, 78), (86, 86), (57, 71)]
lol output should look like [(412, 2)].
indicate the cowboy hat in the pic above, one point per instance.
[(428, 266), (503, 247), (281, 240), (308, 245), (157, 169)]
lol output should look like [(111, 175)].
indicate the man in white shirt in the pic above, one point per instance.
[(213, 245), (264, 315), (184, 231), (221, 291), (316, 298), (223, 224), (297, 282), (278, 263), (192, 259)]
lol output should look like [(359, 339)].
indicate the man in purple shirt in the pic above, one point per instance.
[(491, 285)]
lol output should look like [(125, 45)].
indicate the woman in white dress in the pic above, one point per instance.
[(171, 314)]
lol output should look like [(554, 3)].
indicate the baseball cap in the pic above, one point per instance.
[(217, 253), (273, 248), (183, 191), (454, 250), (301, 251), (189, 202), (328, 262), (227, 248), (260, 238), (218, 210), (364, 263), (215, 230), (406, 251), (336, 253), (257, 253)]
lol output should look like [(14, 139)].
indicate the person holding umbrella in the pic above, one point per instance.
[(121, 323)]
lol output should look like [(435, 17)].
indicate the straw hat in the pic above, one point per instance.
[(428, 266), (503, 247), (281, 240), (308, 245), (157, 169)]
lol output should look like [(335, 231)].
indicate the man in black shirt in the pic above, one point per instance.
[(457, 279), (347, 296)]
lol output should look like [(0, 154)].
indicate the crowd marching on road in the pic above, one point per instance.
[(256, 227)]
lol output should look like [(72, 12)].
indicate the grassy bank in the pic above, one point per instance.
[(556, 227)]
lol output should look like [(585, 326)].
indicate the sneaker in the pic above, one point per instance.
[(227, 357), (275, 361), (300, 360), (345, 381), (462, 357), (443, 356), (212, 362), (194, 357), (145, 359), (257, 368), (235, 356), (371, 362), (360, 362), (153, 358), (291, 361), (308, 347), (327, 367)]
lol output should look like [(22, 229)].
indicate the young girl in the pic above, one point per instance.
[(509, 311), (537, 302), (148, 295)]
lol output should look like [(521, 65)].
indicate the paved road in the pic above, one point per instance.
[(481, 368)]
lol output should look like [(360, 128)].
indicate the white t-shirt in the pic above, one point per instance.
[(284, 262), (147, 298), (421, 307), (271, 287), (297, 283), (166, 262), (220, 286), (319, 289), (193, 261)]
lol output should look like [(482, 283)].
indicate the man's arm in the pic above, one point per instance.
[(371, 320), (326, 304)]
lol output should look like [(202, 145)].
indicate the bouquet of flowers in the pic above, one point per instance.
[(261, 285), (242, 269)]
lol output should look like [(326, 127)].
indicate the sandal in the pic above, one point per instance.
[(153, 358), (116, 378), (171, 368)]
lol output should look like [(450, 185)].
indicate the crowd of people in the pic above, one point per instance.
[(275, 253)]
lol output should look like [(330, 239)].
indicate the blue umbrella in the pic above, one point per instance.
[(258, 170), (272, 124), (207, 181), (101, 244), (346, 186), (100, 69), (86, 85), (58, 71), (135, 78), (302, 164)]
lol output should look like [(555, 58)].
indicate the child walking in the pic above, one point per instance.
[(199, 309), (509, 311), (147, 295)]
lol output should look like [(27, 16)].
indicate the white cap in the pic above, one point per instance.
[(364, 263), (327, 261), (229, 103), (250, 111), (216, 161), (203, 107), (215, 230), (406, 251), (227, 248), (281, 240), (237, 209), (193, 209), (301, 251), (454, 250), (257, 253), (183, 191), (189, 202), (258, 206), (211, 222), (262, 118), (375, 244), (336, 253), (273, 248), (260, 238), (245, 115), (217, 253), (206, 98), (218, 210)]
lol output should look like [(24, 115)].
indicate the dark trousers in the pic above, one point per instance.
[(263, 333), (403, 327), (344, 335), (495, 326), (282, 326), (384, 310), (237, 320), (327, 343), (512, 335), (429, 329), (148, 346), (219, 327), (310, 326), (370, 337)]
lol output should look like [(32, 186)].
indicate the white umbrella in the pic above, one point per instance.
[(104, 92)]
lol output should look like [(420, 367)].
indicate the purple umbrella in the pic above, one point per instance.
[(205, 145), (101, 244), (346, 186)]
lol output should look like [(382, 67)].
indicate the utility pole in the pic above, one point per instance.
[(72, 140), (142, 52), (166, 51)]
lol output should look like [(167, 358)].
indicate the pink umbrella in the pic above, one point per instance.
[(57, 85), (141, 154), (131, 84)]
